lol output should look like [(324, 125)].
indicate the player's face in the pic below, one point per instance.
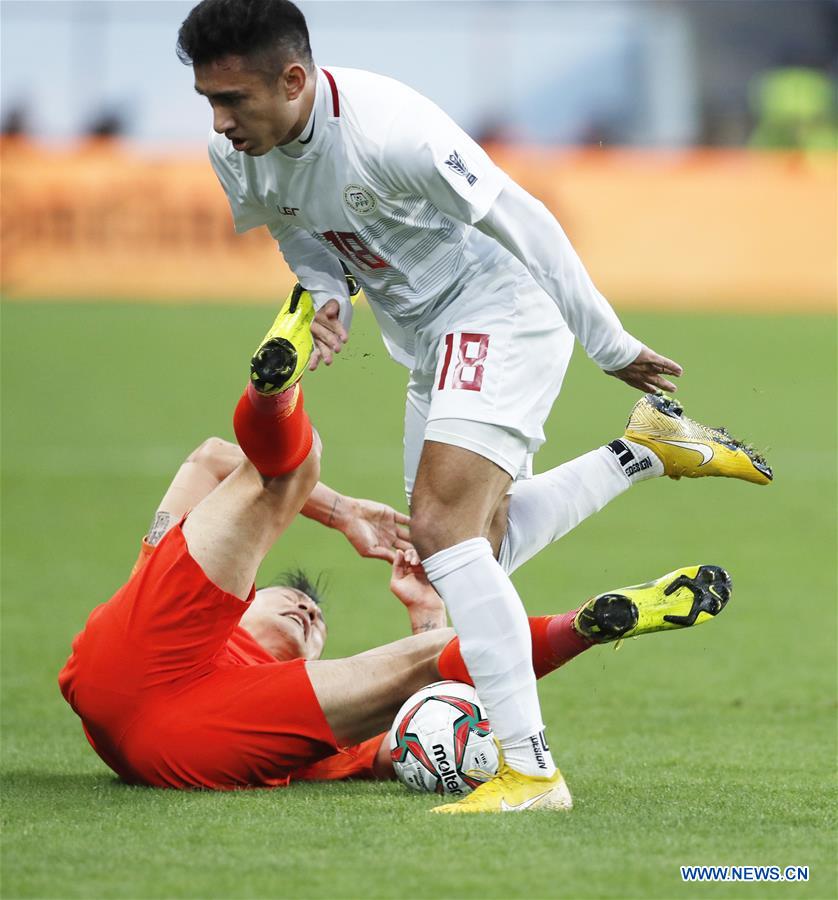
[(254, 111), (287, 623)]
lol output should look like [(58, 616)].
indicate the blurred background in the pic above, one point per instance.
[(684, 144)]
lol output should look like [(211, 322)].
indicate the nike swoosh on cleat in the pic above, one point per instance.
[(703, 449), (505, 807)]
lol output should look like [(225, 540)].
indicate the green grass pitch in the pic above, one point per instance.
[(716, 745)]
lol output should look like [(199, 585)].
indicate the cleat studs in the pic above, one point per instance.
[(711, 592), (607, 618), (615, 614), (680, 581), (712, 604), (274, 363)]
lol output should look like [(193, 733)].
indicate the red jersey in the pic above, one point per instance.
[(172, 692)]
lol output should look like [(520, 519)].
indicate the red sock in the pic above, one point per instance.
[(273, 430), (554, 642)]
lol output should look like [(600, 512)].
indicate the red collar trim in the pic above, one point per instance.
[(335, 98)]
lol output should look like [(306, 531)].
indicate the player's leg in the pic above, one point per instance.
[(417, 406), (688, 596), (543, 509), (658, 440), (230, 532), (255, 724), (180, 609), (487, 376), (359, 695), (200, 473), (457, 492)]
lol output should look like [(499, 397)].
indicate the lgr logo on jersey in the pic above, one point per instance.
[(456, 164), (359, 199)]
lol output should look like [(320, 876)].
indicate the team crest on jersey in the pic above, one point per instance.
[(359, 199), (456, 164)]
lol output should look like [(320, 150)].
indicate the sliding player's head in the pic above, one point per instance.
[(252, 61), (286, 619)]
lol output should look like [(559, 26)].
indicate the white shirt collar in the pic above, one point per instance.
[(314, 126)]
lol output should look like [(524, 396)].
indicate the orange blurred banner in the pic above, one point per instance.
[(737, 230)]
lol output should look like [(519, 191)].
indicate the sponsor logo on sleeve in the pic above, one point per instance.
[(359, 199), (456, 164)]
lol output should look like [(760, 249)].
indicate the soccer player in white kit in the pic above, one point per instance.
[(477, 291)]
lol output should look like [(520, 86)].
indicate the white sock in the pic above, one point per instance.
[(545, 508), (637, 462), (495, 643)]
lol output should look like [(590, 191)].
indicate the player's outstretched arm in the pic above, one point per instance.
[(647, 372), (375, 530), (529, 231), (430, 156)]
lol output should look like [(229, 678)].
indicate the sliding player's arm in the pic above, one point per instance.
[(375, 530)]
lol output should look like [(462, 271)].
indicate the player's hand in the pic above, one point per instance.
[(411, 586), (647, 372), (376, 531), (328, 333)]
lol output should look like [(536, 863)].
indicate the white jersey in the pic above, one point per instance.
[(385, 182)]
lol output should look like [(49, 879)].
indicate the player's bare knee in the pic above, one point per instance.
[(422, 537), (437, 522), (432, 529), (216, 456)]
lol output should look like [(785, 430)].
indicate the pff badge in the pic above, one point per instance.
[(359, 199)]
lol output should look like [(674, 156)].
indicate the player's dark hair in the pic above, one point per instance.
[(298, 580), (268, 33)]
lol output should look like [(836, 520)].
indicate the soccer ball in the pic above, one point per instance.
[(441, 741)]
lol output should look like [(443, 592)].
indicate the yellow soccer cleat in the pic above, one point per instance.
[(510, 791), (284, 352), (689, 449), (685, 597)]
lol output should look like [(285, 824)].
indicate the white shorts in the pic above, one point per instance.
[(488, 369)]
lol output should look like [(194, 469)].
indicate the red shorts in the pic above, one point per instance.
[(172, 693)]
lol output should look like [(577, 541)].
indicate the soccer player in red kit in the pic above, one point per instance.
[(189, 678)]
